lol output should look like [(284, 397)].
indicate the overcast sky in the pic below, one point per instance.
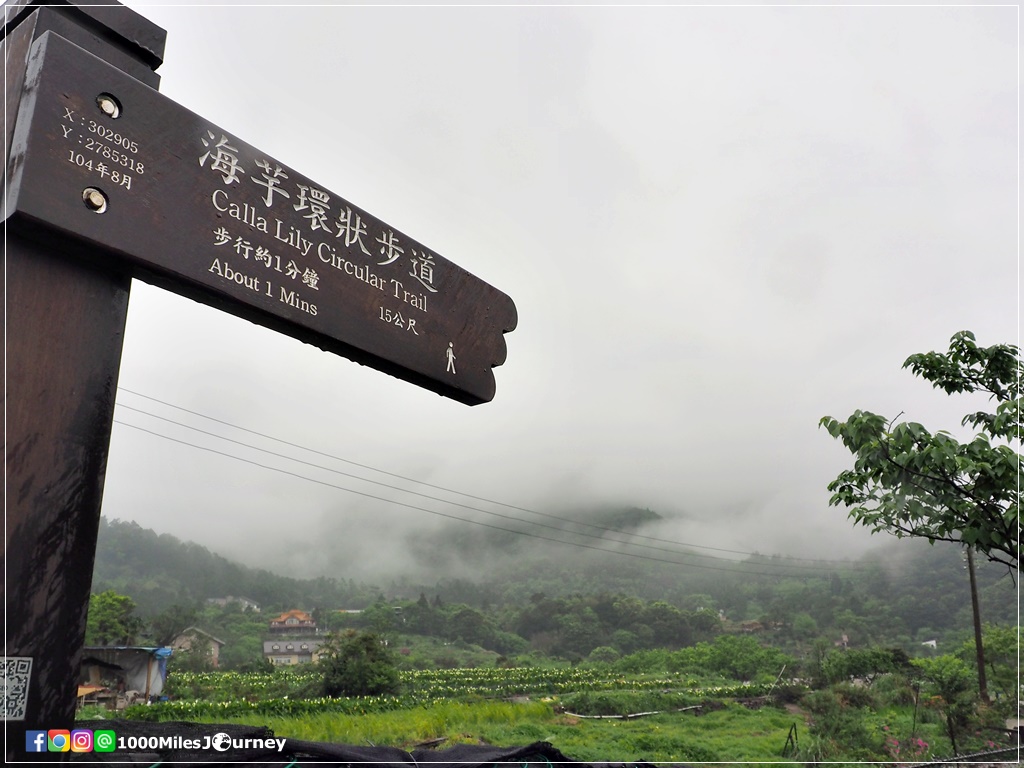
[(717, 224)]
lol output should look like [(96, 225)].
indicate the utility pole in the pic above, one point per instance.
[(979, 649)]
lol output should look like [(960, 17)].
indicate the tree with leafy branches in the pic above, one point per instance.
[(112, 620), (950, 679), (357, 664), (910, 482), (170, 622), (1002, 646)]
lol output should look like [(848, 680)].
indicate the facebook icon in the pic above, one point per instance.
[(35, 741)]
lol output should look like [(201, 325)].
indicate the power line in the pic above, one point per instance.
[(818, 563), (440, 514), (443, 501)]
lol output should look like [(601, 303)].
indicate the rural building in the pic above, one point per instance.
[(292, 651), (245, 602), (125, 674), (195, 638), (293, 639), (294, 622)]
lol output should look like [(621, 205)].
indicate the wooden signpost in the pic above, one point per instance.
[(107, 180)]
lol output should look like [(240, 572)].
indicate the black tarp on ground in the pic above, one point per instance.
[(296, 753)]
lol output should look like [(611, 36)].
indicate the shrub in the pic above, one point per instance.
[(743, 658), (604, 654), (894, 689), (835, 722), (788, 693), (624, 702), (698, 753), (867, 663), (643, 661), (949, 680), (357, 664), (855, 695), (507, 643)]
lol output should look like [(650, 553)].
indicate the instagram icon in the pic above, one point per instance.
[(81, 741)]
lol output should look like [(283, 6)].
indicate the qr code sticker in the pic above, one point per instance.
[(17, 671)]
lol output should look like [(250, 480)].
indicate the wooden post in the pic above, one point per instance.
[(64, 325)]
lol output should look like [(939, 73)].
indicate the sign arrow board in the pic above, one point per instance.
[(147, 187)]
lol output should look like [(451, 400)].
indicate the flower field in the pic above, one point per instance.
[(285, 693)]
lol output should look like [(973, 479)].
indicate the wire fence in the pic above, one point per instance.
[(1006, 755)]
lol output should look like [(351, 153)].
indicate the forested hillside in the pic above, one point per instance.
[(903, 594), (159, 571)]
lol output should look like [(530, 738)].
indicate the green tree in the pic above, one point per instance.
[(357, 664), (950, 679), (865, 663), (244, 652), (670, 625), (625, 641), (196, 657), (470, 625), (698, 602), (579, 631), (112, 620), (814, 664), (380, 618), (804, 627), (603, 653), (910, 482), (1001, 652), (169, 623), (743, 658)]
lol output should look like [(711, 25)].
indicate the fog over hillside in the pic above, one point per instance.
[(911, 584), (718, 225), (382, 543)]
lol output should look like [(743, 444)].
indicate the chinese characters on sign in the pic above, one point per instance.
[(318, 234), (191, 207)]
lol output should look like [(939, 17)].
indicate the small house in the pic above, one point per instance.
[(280, 651), (245, 602), (293, 622), (193, 638), (134, 673)]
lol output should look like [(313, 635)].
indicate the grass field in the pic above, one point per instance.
[(733, 733), (519, 706)]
